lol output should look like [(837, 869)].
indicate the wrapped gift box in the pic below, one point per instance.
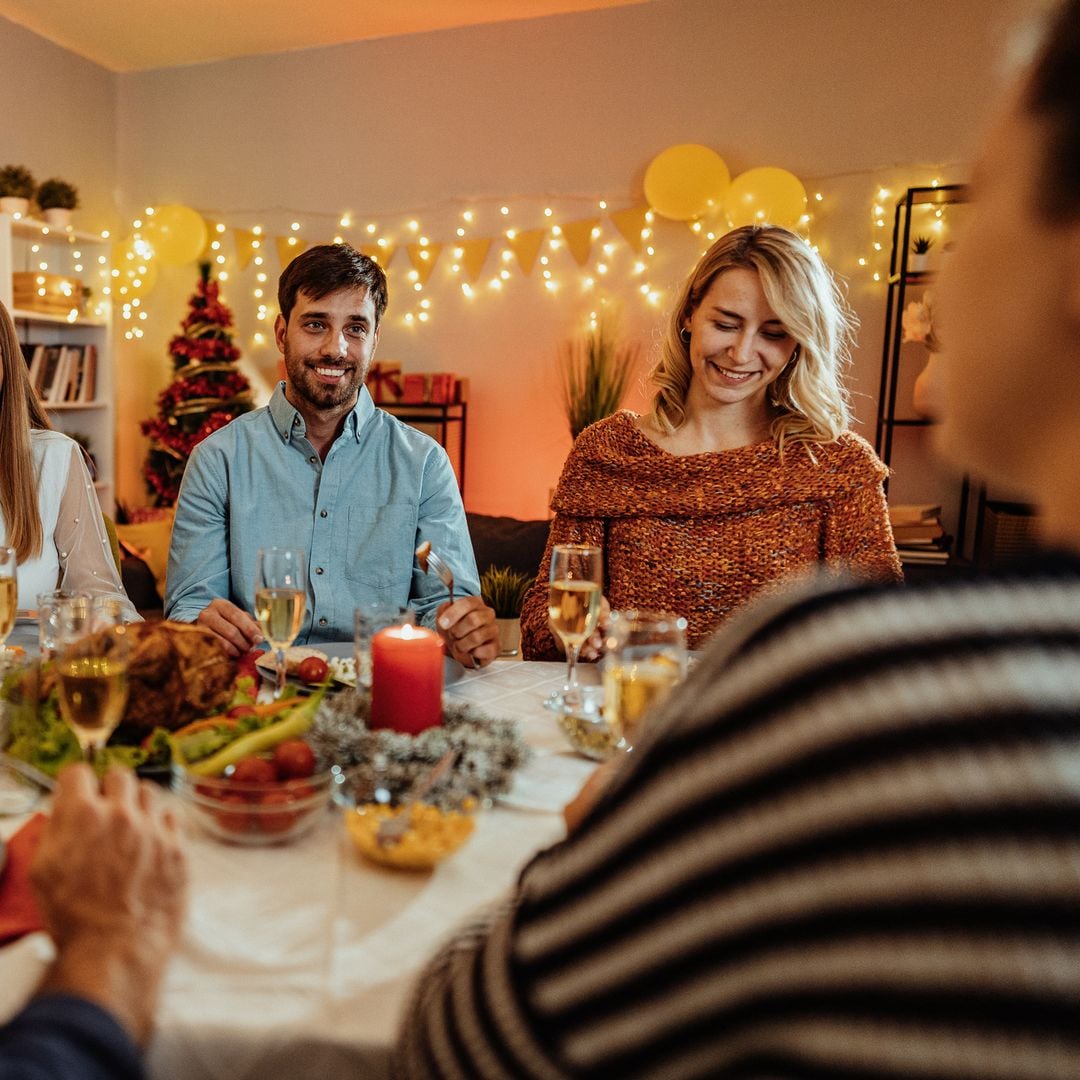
[(413, 390), (384, 382), (441, 390)]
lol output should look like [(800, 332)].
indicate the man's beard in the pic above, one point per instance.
[(305, 382)]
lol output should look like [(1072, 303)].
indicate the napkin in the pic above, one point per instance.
[(18, 911)]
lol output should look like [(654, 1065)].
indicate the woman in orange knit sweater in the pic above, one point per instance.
[(744, 473)]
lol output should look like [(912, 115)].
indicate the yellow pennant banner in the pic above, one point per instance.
[(474, 254), (630, 223), (244, 251), (423, 258), (579, 237), (288, 247), (382, 255), (526, 246)]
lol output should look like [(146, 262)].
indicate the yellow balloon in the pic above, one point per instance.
[(137, 269), (765, 196), (684, 181), (176, 233)]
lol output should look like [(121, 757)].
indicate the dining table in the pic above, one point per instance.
[(297, 959)]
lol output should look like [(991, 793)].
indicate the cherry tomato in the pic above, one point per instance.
[(313, 669), (294, 759), (254, 770), (233, 816), (276, 822), (241, 710)]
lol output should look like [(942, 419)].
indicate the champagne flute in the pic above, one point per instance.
[(574, 596), (9, 595), (280, 599), (91, 676)]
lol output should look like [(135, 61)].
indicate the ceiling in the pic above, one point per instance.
[(136, 35)]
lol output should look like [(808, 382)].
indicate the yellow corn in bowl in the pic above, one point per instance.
[(432, 834)]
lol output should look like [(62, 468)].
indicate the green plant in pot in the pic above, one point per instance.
[(596, 368), (920, 253), (503, 590), (57, 198), (16, 189)]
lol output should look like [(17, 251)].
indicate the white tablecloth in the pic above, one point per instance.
[(297, 960)]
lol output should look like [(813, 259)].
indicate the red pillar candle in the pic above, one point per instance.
[(406, 679)]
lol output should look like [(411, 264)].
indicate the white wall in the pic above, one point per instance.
[(848, 94)]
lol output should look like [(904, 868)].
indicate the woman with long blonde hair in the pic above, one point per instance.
[(49, 511), (744, 472)]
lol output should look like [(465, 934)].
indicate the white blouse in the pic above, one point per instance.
[(76, 554)]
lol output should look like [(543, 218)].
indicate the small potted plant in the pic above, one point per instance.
[(57, 198), (16, 190), (503, 590), (920, 254)]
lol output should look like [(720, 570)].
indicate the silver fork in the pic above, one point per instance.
[(391, 830), (430, 562)]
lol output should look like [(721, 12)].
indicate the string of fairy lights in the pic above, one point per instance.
[(580, 247)]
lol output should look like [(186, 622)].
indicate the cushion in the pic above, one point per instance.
[(507, 541)]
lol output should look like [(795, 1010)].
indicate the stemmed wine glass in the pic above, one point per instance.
[(9, 595), (92, 678), (577, 575), (280, 599)]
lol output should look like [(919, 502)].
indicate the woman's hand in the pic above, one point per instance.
[(593, 648)]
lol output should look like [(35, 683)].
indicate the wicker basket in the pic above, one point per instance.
[(1010, 532)]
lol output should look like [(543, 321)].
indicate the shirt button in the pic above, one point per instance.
[(295, 421), (318, 569), (322, 513), (322, 622), (313, 459)]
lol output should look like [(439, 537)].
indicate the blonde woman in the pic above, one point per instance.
[(49, 511), (744, 472)]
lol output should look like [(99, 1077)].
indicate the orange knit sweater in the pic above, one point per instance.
[(700, 535)]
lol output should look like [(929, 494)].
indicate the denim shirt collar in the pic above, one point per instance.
[(289, 422)]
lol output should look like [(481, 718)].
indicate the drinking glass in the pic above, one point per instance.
[(9, 595), (577, 575), (91, 676), (645, 656), (368, 620), (280, 599), (63, 617)]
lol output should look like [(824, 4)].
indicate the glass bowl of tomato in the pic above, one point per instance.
[(266, 799)]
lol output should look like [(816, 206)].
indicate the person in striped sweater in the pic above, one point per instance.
[(850, 844)]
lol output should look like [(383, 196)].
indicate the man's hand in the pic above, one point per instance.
[(236, 628), (110, 878), (468, 628)]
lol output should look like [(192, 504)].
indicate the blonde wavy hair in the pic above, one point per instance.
[(20, 410), (809, 397)]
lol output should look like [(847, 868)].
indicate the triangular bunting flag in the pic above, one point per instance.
[(578, 237), (423, 258), (630, 223), (288, 247), (526, 246), (474, 254), (382, 255), (244, 251)]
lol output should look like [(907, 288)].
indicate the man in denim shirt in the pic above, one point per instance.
[(321, 469)]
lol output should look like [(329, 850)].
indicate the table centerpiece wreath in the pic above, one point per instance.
[(489, 750)]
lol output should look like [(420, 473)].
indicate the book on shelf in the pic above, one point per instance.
[(918, 533), (928, 554), (88, 385), (913, 513), (46, 374)]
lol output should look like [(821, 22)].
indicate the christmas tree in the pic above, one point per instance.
[(208, 391)]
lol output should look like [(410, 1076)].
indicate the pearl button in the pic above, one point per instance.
[(322, 513), (313, 459), (322, 622), (318, 570)]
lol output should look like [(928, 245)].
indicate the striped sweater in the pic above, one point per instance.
[(849, 847)]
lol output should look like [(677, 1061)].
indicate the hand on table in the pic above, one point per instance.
[(110, 879), (236, 628), (468, 628)]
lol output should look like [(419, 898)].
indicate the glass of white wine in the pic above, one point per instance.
[(645, 656), (92, 679), (9, 595), (574, 595), (280, 599)]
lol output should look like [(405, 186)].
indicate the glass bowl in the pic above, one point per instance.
[(439, 823), (584, 724), (275, 812)]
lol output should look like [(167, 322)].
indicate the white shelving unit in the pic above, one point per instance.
[(30, 245)]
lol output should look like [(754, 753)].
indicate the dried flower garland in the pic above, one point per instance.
[(489, 751)]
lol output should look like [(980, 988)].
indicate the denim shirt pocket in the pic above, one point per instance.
[(379, 545)]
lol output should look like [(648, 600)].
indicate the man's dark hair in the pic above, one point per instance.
[(326, 269), (1053, 94)]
